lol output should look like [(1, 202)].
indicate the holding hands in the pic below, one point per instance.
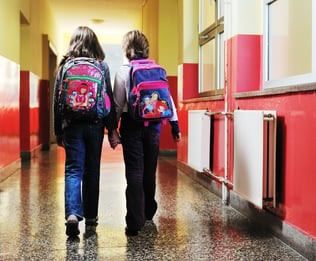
[(114, 139)]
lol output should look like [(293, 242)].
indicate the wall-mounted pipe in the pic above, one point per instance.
[(210, 113), (224, 181), (268, 117), (221, 179)]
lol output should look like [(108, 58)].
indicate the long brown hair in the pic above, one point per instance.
[(84, 43), (135, 45)]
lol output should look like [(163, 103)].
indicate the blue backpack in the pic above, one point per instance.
[(82, 95), (149, 96)]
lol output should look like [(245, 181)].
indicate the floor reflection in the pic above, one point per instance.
[(191, 223)]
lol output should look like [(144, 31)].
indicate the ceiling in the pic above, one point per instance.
[(106, 17)]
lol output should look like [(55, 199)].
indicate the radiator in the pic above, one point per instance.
[(254, 156), (199, 140)]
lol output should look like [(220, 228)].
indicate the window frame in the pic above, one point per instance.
[(214, 31), (301, 79)]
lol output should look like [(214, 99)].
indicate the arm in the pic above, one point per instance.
[(175, 130), (110, 121), (57, 117), (120, 91)]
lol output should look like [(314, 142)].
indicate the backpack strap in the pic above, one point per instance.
[(142, 61)]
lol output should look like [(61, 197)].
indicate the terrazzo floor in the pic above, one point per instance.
[(191, 223)]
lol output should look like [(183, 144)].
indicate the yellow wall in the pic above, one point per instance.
[(25, 47), (25, 8), (246, 17), (160, 23), (150, 26), (9, 29), (63, 44), (180, 31), (189, 11), (208, 18), (168, 35), (41, 22)]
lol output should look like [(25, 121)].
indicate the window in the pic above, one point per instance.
[(289, 43), (211, 52)]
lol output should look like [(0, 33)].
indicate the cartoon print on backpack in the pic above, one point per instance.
[(147, 108), (164, 109), (149, 96), (153, 107), (83, 91), (81, 98)]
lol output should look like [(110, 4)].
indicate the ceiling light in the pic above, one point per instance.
[(97, 21)]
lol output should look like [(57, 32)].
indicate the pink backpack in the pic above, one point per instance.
[(149, 96), (83, 91)]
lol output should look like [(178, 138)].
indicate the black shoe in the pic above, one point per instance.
[(130, 232), (93, 222), (150, 228), (150, 212), (90, 231), (72, 228), (91, 225)]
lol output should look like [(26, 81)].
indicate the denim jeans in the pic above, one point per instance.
[(83, 146), (140, 150)]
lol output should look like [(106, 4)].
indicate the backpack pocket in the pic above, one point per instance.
[(82, 91), (83, 94), (153, 101)]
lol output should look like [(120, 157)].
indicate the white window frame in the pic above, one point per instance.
[(292, 80), (214, 31)]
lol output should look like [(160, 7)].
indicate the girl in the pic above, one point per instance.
[(140, 143), (82, 140)]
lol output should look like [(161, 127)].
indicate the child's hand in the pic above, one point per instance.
[(177, 137), (114, 139)]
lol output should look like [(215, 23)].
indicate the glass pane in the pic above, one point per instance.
[(220, 8), (207, 13), (290, 38), (208, 67)]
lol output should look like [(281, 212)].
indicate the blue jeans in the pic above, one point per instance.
[(140, 150), (83, 146)]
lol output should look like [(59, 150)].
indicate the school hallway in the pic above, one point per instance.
[(191, 223)]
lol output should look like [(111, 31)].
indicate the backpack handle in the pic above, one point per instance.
[(79, 59), (143, 61)]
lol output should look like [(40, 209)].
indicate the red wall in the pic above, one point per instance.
[(166, 140), (246, 65), (9, 112), (190, 91), (24, 110), (29, 113), (296, 150), (43, 113), (296, 125)]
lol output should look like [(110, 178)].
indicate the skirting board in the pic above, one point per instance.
[(10, 169), (303, 244)]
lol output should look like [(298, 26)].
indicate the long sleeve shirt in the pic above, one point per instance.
[(120, 96), (121, 90)]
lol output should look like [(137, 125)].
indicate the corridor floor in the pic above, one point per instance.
[(191, 223)]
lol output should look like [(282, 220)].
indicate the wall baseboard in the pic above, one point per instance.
[(168, 153), (7, 171), (25, 157), (300, 242)]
